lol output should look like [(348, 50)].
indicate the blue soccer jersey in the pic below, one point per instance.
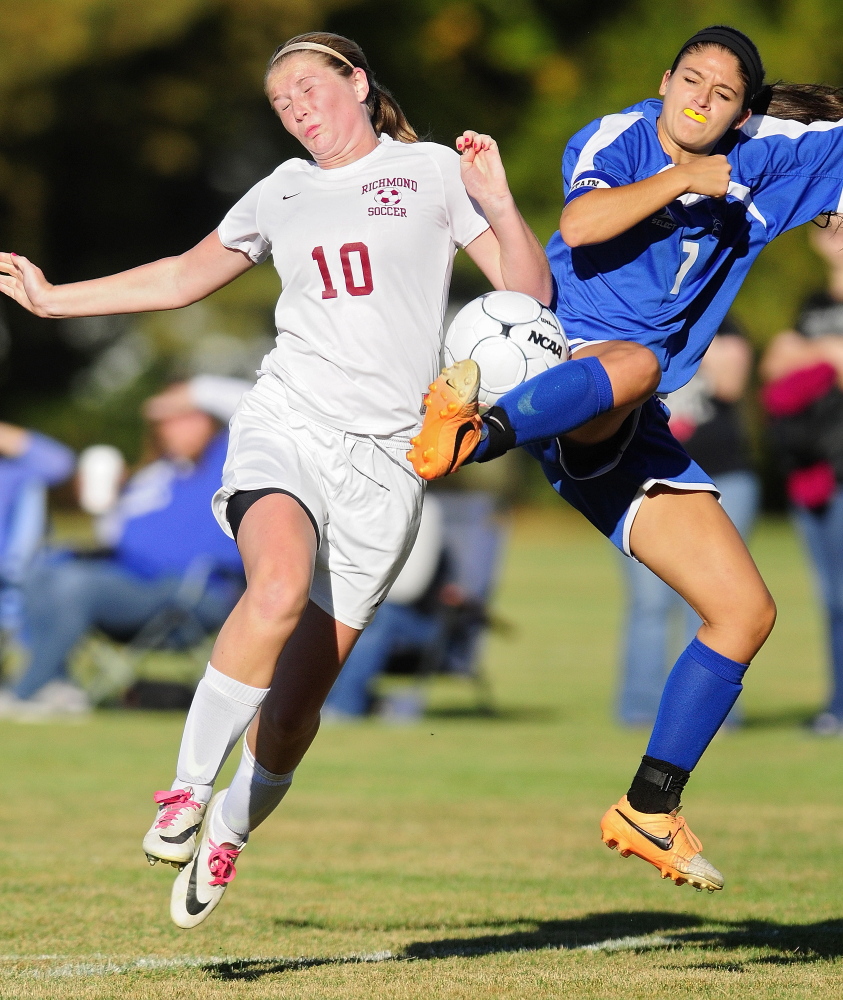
[(668, 282)]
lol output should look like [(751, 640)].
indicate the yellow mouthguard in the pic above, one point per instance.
[(694, 115)]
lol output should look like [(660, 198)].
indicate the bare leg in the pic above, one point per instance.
[(277, 638), (310, 663), (687, 540), (278, 546)]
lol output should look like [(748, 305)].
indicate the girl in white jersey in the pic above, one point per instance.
[(316, 489)]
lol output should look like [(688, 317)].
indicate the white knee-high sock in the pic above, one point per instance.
[(220, 713), (253, 795)]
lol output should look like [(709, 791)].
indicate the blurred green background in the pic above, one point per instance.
[(127, 129)]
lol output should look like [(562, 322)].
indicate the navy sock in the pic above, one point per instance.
[(545, 406), (700, 691)]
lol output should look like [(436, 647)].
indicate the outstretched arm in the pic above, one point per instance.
[(44, 458), (509, 254), (169, 283), (604, 213)]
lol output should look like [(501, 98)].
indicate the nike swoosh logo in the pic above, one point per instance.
[(461, 433), (191, 902), (665, 843), (182, 837), (286, 196)]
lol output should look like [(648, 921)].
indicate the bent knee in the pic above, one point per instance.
[(765, 619), (274, 599), (633, 369), (758, 618), (748, 624)]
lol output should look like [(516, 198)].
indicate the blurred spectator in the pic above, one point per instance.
[(705, 416), (803, 371), (159, 529), (29, 463), (406, 621)]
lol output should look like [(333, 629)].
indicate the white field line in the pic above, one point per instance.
[(645, 943), (93, 967)]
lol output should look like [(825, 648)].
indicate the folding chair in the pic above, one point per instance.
[(113, 667)]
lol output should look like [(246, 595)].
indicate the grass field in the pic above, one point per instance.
[(459, 857)]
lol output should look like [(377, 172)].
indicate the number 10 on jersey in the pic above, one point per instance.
[(351, 286)]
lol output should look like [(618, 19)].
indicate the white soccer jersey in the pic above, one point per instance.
[(364, 253)]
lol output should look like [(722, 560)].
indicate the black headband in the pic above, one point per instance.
[(737, 42)]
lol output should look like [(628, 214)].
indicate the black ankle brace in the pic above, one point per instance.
[(657, 786), (501, 436)]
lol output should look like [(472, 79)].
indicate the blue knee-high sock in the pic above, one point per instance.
[(700, 691), (547, 405)]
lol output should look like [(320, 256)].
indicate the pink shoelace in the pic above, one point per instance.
[(221, 863), (175, 801)]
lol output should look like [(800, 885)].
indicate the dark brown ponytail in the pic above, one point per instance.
[(384, 111), (801, 102)]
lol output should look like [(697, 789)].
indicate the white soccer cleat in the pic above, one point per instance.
[(199, 888), (172, 837)]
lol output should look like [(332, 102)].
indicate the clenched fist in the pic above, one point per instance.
[(708, 175)]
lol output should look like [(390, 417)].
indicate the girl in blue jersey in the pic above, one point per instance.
[(667, 205)]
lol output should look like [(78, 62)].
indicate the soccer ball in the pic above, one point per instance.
[(387, 196), (510, 335)]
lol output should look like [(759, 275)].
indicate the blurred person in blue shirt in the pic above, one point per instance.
[(160, 530), (29, 463), (26, 457)]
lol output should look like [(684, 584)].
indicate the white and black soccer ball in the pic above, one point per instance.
[(510, 335)]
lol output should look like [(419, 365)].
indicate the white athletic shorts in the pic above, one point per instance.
[(361, 492)]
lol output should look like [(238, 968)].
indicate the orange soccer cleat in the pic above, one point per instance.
[(451, 428), (664, 840)]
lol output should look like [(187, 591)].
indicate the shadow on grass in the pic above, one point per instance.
[(440, 925), (778, 944), (793, 717), (493, 713)]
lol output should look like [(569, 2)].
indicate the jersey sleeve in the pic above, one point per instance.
[(602, 155), (794, 171), (239, 230), (466, 220)]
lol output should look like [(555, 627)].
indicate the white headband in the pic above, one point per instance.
[(316, 47)]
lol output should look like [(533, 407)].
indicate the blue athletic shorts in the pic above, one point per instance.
[(607, 482)]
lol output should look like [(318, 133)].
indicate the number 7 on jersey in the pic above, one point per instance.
[(351, 286), (692, 250)]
